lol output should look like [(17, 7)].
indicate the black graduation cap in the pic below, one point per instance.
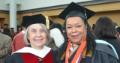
[(74, 9), (39, 18), (25, 21)]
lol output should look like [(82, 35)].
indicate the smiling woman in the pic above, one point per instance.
[(36, 37), (82, 46)]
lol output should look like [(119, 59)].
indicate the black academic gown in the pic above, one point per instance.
[(103, 53)]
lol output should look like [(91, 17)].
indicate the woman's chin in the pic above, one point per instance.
[(76, 41)]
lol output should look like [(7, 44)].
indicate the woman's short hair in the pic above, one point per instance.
[(26, 35)]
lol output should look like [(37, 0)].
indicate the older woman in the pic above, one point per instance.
[(36, 37)]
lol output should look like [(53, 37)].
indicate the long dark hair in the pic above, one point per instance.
[(90, 36)]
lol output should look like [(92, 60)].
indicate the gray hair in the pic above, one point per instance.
[(26, 40)]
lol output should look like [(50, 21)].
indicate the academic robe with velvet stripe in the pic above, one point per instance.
[(31, 58)]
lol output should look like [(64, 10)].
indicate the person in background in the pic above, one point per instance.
[(36, 37), (18, 41), (105, 30), (12, 32), (82, 46), (57, 36), (19, 29), (93, 26), (1, 28), (118, 30), (6, 30), (56, 32), (5, 47)]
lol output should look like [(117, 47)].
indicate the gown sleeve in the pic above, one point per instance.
[(15, 58)]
